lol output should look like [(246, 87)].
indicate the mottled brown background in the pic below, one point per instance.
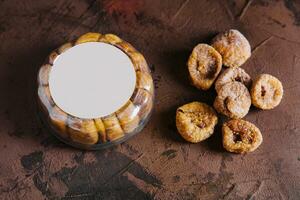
[(157, 163)]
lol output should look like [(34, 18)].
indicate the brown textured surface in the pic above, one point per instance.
[(157, 163)]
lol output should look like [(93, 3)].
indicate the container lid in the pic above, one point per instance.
[(92, 80)]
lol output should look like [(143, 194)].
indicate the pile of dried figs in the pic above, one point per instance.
[(235, 93)]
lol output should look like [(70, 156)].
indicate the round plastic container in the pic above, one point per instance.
[(95, 92)]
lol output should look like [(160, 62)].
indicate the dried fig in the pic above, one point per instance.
[(233, 100), (88, 37), (82, 131), (240, 136), (266, 92), (196, 121), (233, 74), (204, 65), (113, 128), (128, 117), (233, 46)]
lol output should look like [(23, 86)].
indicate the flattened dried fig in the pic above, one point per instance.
[(240, 136), (101, 129), (139, 62), (64, 47), (43, 77), (126, 47), (45, 98), (233, 74), (112, 39), (204, 65), (233, 100), (144, 101), (88, 37), (128, 117), (113, 128), (196, 121), (233, 46), (58, 120), (82, 131), (52, 57), (266, 92), (144, 81)]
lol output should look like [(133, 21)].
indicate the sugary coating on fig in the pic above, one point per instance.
[(233, 100), (233, 74), (204, 65), (196, 121), (266, 92), (240, 136), (233, 46)]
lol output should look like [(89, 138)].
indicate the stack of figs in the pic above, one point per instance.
[(105, 131)]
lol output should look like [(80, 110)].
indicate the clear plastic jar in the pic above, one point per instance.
[(92, 131)]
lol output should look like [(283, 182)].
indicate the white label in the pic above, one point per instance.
[(92, 80)]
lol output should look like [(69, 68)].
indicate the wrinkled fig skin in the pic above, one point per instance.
[(233, 100), (233, 74), (240, 136), (139, 62), (92, 132), (266, 92), (204, 65), (82, 131), (144, 81), (101, 130), (113, 128), (128, 117), (126, 47), (233, 47), (88, 37), (196, 121), (111, 39)]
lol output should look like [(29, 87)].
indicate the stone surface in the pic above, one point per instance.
[(157, 163)]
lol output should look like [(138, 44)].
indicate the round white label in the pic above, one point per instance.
[(92, 80)]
